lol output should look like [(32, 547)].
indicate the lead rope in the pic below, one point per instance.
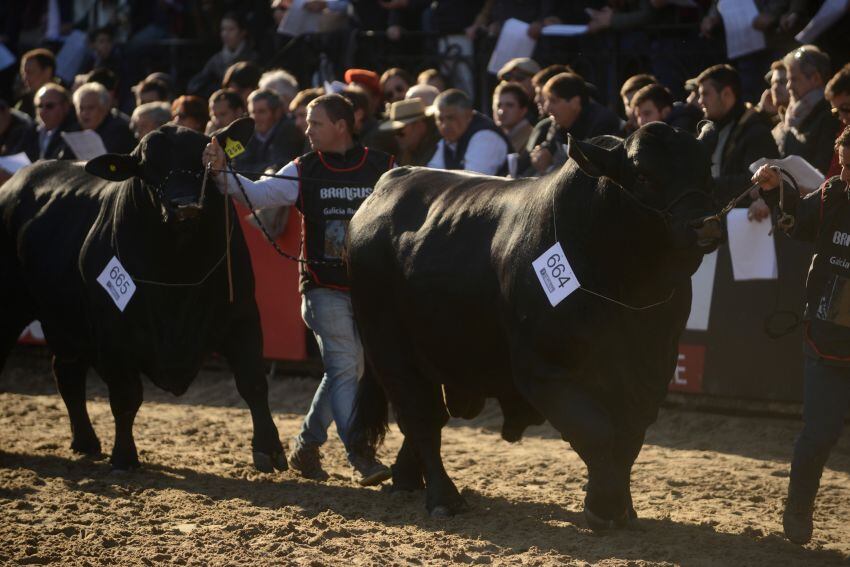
[(226, 238)]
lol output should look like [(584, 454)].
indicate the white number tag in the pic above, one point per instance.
[(117, 283), (555, 274)]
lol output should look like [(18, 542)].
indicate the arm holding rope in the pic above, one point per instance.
[(806, 210), (264, 193)]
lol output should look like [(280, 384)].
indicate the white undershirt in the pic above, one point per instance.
[(266, 192), (485, 153)]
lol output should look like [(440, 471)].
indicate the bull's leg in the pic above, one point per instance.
[(70, 374), (125, 398), (244, 352), (628, 446), (407, 469)]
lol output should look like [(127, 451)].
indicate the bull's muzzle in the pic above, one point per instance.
[(709, 231)]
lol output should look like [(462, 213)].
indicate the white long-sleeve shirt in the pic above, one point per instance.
[(485, 153), (266, 192)]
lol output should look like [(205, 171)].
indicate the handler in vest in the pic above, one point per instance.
[(327, 185), (470, 140), (823, 218)]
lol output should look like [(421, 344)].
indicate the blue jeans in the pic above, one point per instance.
[(826, 398), (328, 313)]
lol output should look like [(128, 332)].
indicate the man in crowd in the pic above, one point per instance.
[(743, 134), (283, 83), (822, 218), (567, 101), (151, 90), (414, 130), (328, 185), (654, 103), (225, 107), (148, 117), (521, 71), (275, 141), (510, 112), (808, 129), (631, 86), (38, 67), (17, 133), (93, 104), (55, 115), (469, 140), (838, 94)]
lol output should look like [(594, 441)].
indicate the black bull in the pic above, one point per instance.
[(450, 309), (62, 222)]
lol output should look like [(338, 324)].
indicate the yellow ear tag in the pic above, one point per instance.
[(233, 147), (112, 167)]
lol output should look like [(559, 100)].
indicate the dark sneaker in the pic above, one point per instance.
[(306, 460), (369, 471), (797, 518)]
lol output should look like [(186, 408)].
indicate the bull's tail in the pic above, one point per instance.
[(370, 420)]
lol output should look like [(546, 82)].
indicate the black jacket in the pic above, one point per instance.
[(749, 140), (56, 147), (823, 218), (19, 137), (813, 140), (284, 144), (116, 134)]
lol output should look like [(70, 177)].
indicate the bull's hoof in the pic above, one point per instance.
[(630, 521), (122, 465), (596, 523), (441, 511), (90, 447), (267, 463), (406, 482)]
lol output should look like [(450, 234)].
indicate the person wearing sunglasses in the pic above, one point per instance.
[(837, 92), (53, 109), (414, 129), (808, 128)]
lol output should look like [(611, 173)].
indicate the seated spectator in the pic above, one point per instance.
[(520, 71), (510, 112), (190, 111), (275, 141), (469, 140), (55, 115), (371, 83), (366, 129), (433, 78), (425, 93), (394, 84), (242, 77), (283, 83), (632, 85), (541, 128), (148, 117), (235, 48), (808, 128), (17, 133), (743, 134), (837, 92), (567, 100), (151, 90), (654, 103), (104, 53), (93, 105), (38, 67), (298, 107), (414, 128), (776, 100), (109, 80), (225, 107)]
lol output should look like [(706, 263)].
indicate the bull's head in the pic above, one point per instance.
[(167, 161), (667, 171)]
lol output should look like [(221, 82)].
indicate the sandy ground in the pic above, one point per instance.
[(709, 490)]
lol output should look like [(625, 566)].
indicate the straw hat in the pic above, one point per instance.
[(404, 112)]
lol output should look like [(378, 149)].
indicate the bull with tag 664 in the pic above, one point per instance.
[(563, 297), (124, 260)]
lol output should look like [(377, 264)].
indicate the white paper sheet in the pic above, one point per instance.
[(741, 37), (702, 283), (751, 247), (7, 58), (14, 162), (298, 21), (829, 13), (564, 30), (85, 144), (807, 176), (513, 42)]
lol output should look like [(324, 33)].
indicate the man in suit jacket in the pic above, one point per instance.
[(55, 115)]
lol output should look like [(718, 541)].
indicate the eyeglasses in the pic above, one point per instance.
[(46, 105)]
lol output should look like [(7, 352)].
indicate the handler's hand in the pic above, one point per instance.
[(758, 211), (541, 159), (213, 154), (766, 177)]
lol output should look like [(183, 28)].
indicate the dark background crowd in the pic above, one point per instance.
[(122, 68)]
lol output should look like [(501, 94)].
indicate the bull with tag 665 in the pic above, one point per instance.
[(563, 297), (124, 260)]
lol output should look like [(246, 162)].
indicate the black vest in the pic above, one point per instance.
[(456, 159), (333, 186)]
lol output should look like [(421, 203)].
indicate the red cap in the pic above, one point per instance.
[(367, 79)]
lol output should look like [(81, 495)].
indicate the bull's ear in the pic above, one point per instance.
[(234, 138), (114, 167), (594, 160)]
